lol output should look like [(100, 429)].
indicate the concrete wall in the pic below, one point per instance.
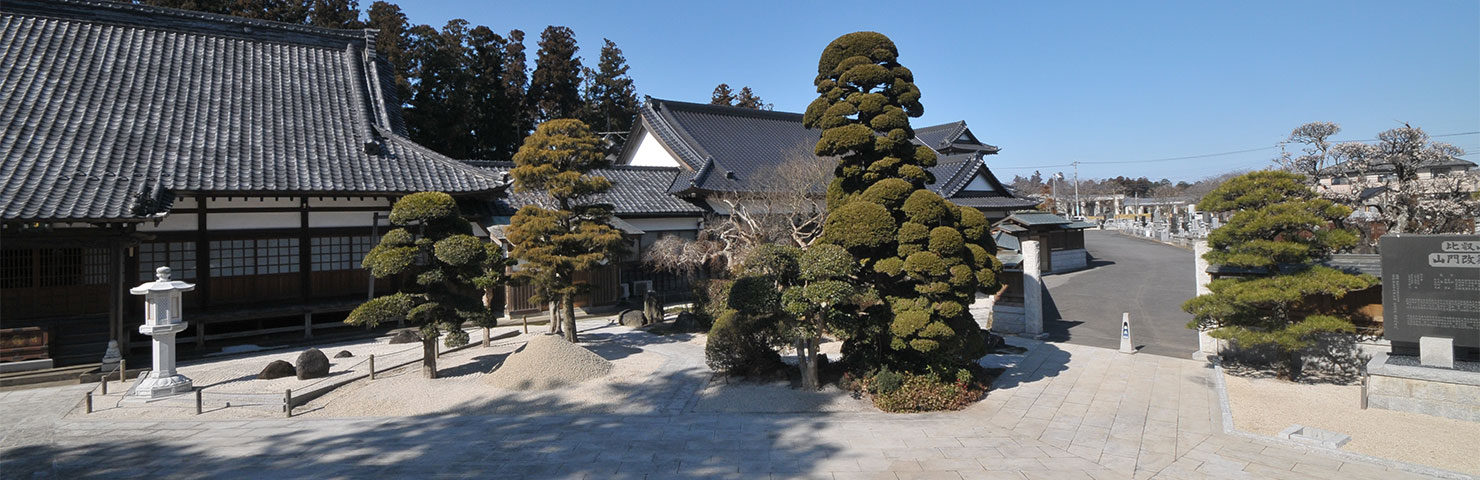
[(1068, 260), (1007, 319)]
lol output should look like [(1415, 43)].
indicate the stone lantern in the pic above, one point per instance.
[(162, 307)]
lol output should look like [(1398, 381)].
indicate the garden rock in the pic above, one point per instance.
[(343, 354), (687, 322), (312, 364), (405, 336), (276, 369), (631, 318)]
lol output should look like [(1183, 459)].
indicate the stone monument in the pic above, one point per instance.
[(162, 309), (1431, 314)]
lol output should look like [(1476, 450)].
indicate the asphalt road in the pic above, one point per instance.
[(1148, 279)]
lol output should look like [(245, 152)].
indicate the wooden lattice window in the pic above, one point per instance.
[(16, 267), (340, 253), (259, 256), (179, 256)]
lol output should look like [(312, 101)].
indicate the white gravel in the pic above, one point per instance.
[(1265, 406), (546, 362)]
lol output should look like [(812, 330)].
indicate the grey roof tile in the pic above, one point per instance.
[(636, 191), (104, 103), (726, 149)]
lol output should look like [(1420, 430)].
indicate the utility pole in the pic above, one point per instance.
[(1077, 212)]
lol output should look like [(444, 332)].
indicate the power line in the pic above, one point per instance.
[(1208, 155)]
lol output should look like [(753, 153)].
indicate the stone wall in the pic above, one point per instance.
[(1429, 391)]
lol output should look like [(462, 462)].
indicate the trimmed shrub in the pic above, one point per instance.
[(740, 345), (859, 225)]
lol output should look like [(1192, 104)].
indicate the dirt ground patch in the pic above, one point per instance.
[(1266, 406)]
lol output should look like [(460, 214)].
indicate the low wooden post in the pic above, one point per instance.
[(485, 337), (104, 383), (122, 372), (372, 366), (288, 403), (526, 324), (89, 401), (197, 401)]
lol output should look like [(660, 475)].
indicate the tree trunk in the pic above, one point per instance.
[(807, 361), (570, 317), (429, 357), (554, 318)]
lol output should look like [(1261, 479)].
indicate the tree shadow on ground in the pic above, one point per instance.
[(1042, 360), (479, 364), (552, 439)]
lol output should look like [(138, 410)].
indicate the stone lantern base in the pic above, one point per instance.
[(152, 386)]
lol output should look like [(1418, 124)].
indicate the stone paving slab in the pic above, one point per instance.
[(1061, 412)]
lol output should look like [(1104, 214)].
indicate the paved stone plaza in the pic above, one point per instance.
[(1061, 412)]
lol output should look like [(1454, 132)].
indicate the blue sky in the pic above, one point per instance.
[(1056, 82)]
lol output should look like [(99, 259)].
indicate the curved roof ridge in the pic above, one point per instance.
[(187, 21), (729, 110)]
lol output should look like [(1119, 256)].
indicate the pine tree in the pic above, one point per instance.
[(748, 99), (576, 234), (433, 246), (722, 96), (611, 100), (554, 88), (927, 257), (1280, 229)]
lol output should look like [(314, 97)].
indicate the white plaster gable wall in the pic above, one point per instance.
[(650, 153), (979, 184)]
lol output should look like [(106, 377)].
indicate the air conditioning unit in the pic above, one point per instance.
[(626, 290), (642, 287)]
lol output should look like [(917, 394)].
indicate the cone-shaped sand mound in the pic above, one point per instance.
[(547, 362)]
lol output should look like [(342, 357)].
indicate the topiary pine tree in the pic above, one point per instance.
[(573, 233), (1279, 228), (824, 283), (926, 257), (449, 268), (722, 95)]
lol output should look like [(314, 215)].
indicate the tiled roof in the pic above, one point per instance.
[(1005, 240), (947, 138), (1035, 218), (636, 191), (104, 104), (726, 149)]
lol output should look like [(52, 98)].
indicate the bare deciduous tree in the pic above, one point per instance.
[(785, 207), (1382, 182)]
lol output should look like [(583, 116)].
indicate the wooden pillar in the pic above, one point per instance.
[(202, 254), (305, 252), (308, 325)]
